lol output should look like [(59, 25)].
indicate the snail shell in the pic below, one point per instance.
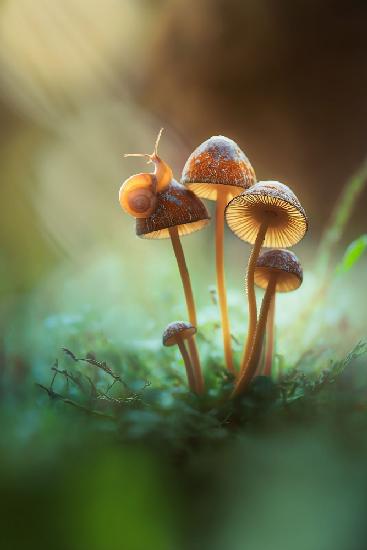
[(138, 195)]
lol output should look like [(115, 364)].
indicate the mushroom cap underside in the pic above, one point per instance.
[(287, 220)]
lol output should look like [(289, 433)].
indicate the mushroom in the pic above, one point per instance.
[(276, 271), (176, 333), (268, 214), (218, 170), (266, 263), (171, 211)]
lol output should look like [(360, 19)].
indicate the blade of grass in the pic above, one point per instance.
[(324, 266), (339, 218)]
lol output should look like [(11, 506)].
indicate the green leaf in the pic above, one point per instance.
[(352, 254)]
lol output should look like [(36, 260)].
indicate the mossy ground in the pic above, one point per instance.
[(110, 450), (103, 447)]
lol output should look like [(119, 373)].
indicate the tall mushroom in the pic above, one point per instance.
[(268, 214), (277, 271), (176, 333), (218, 170), (164, 208)]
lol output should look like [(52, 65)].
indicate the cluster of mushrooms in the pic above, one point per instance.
[(262, 213)]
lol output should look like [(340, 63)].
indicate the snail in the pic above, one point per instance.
[(138, 194)]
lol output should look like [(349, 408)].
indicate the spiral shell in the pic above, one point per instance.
[(138, 195)]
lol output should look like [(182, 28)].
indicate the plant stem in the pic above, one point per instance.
[(270, 339), (222, 296), (251, 296), (253, 360), (188, 365), (339, 218), (190, 304), (324, 265)]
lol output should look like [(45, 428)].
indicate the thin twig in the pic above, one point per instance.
[(99, 364), (71, 377), (67, 401), (55, 366)]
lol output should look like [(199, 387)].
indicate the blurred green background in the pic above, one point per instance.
[(81, 83)]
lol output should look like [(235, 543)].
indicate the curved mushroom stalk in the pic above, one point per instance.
[(175, 334), (252, 363), (270, 337), (190, 303), (251, 296), (188, 366), (222, 199)]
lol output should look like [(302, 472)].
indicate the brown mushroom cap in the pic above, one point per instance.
[(218, 161), (177, 330), (288, 221), (287, 266), (176, 206)]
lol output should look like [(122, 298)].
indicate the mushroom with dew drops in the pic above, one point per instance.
[(277, 271), (218, 170), (164, 208), (268, 214), (175, 334)]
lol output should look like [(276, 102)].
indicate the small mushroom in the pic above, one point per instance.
[(276, 271), (175, 211), (176, 333), (266, 263), (218, 170), (268, 214)]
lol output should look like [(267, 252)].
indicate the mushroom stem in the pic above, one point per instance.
[(190, 304), (188, 365), (194, 353), (184, 272), (222, 296), (251, 296), (269, 338), (250, 368)]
